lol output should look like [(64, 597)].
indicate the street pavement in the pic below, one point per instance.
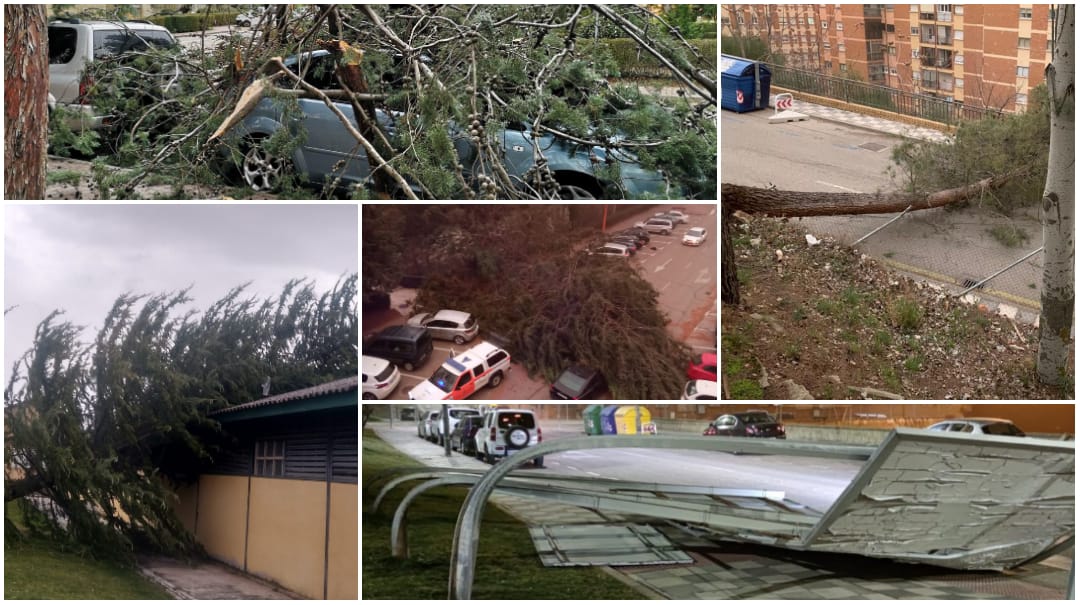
[(842, 151), (209, 580), (732, 571)]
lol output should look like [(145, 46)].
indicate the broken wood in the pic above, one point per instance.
[(864, 391)]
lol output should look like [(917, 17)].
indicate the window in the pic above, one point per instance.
[(839, 27), (1021, 72), (843, 67), (62, 41), (914, 31), (828, 65), (753, 19), (913, 8), (958, 34), (840, 47), (1024, 43), (892, 71), (958, 59), (809, 20), (828, 45), (270, 458), (1025, 13), (892, 50), (497, 357), (783, 20), (1021, 99), (740, 19), (944, 8), (825, 24), (959, 82), (958, 9), (914, 53), (803, 21)]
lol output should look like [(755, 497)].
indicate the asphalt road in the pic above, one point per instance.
[(942, 245), (685, 276)]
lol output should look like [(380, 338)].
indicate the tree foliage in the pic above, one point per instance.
[(517, 269), (479, 68), (99, 432)]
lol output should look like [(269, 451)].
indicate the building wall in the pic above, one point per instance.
[(286, 540), (343, 558), (221, 517)]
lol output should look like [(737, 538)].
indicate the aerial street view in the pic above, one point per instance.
[(897, 201), (364, 101), (563, 501)]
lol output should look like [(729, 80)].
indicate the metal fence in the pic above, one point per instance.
[(882, 97)]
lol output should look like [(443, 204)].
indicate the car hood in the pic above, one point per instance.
[(427, 391)]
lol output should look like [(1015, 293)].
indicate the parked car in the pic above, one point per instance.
[(629, 241), (463, 438), (407, 414), (702, 366), (640, 237), (328, 153), (458, 378), (446, 324), (639, 232), (611, 249), (380, 377), (453, 416), (699, 390), (249, 18), (577, 382), (695, 236), (75, 43), (505, 431), (676, 216), (407, 346), (979, 426), (663, 226), (746, 424), (426, 424)]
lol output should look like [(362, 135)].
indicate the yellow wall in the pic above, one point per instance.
[(287, 533), (222, 511), (342, 579), (186, 504)]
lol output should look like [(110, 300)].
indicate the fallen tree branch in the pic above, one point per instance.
[(864, 391)]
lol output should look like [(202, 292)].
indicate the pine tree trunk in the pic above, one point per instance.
[(26, 109), (1058, 294), (729, 276)]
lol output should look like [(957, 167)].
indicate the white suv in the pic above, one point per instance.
[(663, 226), (504, 432), (74, 43), (458, 378)]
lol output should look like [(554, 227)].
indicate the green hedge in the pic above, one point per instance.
[(193, 22), (625, 52)]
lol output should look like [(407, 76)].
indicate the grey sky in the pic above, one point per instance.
[(79, 258)]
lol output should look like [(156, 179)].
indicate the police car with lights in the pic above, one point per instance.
[(461, 376)]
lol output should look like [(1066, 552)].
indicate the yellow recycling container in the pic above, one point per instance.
[(630, 418)]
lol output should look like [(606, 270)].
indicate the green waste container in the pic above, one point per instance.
[(591, 416)]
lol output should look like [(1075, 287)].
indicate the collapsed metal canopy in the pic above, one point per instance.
[(604, 544)]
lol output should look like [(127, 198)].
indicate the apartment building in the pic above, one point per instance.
[(986, 55)]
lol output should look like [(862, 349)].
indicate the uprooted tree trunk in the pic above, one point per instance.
[(772, 202)]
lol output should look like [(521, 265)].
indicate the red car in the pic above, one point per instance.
[(702, 367)]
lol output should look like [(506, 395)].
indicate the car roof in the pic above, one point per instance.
[(103, 24), (481, 350), (616, 245), (707, 387), (373, 364), (452, 315), (981, 420), (702, 229)]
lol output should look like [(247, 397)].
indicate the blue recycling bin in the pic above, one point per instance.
[(744, 84), (607, 420)]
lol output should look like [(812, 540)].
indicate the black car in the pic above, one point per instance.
[(627, 240), (746, 424), (577, 382), (637, 237), (639, 232), (462, 438)]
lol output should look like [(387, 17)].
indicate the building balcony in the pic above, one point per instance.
[(936, 40), (938, 62)]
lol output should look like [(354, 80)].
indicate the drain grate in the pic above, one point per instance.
[(971, 282), (873, 146)]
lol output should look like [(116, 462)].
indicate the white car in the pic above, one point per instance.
[(447, 324), (461, 376), (674, 215), (699, 389), (611, 249), (380, 377), (695, 236), (506, 431), (663, 226), (979, 426), (455, 415)]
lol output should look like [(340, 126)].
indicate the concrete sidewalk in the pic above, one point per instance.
[(859, 120), (209, 580)]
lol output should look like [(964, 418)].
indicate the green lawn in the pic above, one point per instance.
[(508, 567), (35, 569)]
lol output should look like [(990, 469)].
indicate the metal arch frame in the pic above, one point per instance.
[(467, 530)]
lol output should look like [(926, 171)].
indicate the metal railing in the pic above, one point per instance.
[(880, 97)]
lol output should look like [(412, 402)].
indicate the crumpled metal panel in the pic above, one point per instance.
[(604, 544), (956, 501)]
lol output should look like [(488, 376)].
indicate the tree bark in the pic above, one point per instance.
[(772, 202), (729, 276), (26, 109), (1058, 295)]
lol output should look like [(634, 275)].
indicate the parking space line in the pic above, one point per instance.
[(660, 268)]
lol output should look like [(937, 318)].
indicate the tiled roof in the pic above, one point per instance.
[(341, 385)]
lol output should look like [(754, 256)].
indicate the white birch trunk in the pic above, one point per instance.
[(1058, 294)]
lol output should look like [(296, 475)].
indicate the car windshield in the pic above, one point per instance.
[(1002, 428), (695, 231), (459, 414), (444, 379), (109, 43), (755, 418)]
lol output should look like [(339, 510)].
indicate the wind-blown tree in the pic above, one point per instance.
[(98, 433)]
